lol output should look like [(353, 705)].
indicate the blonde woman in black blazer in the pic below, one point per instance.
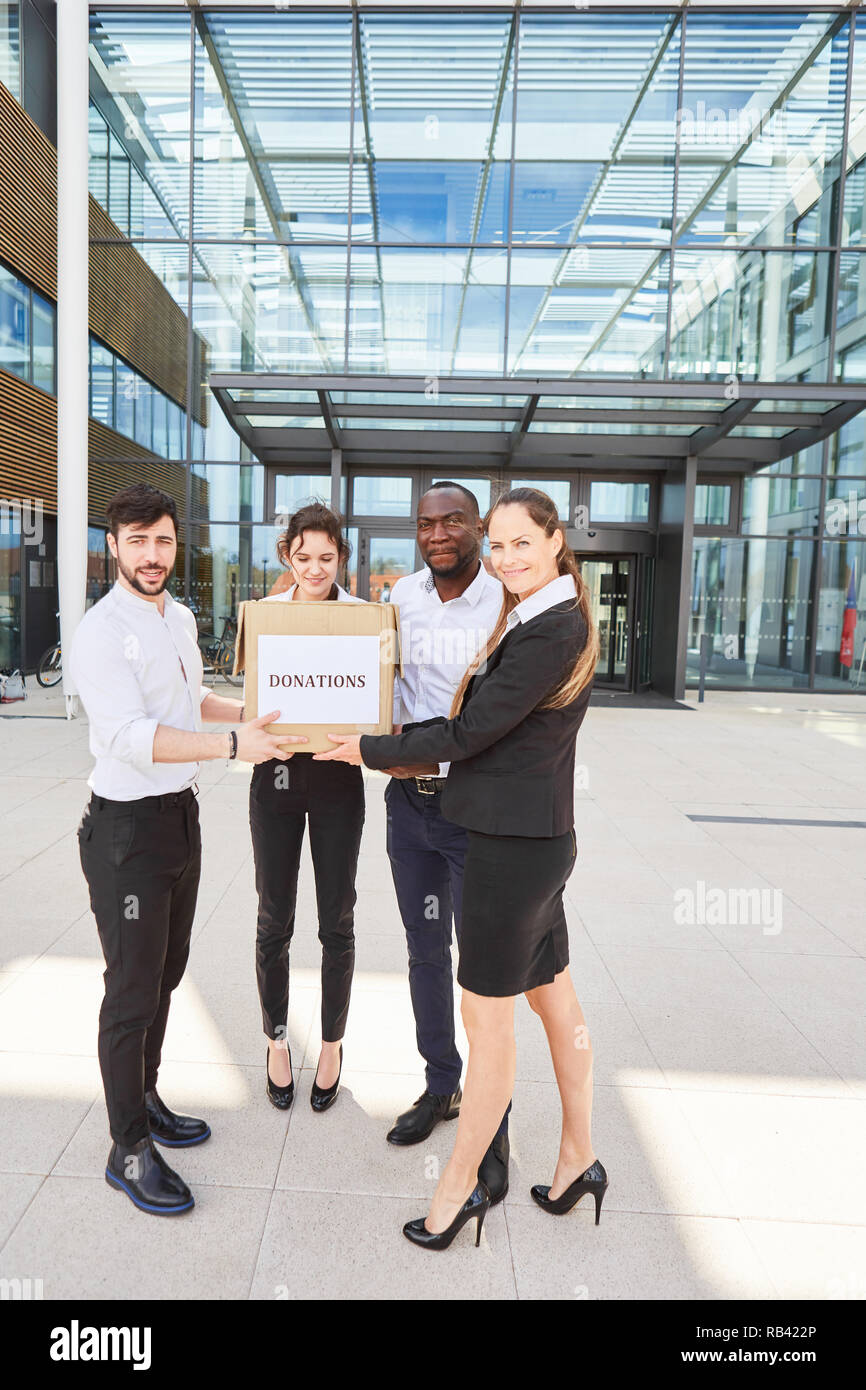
[(510, 742)]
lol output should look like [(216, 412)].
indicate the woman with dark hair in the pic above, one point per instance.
[(510, 741), (284, 797)]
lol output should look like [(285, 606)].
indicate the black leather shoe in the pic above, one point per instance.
[(594, 1180), (321, 1097), (280, 1096), (175, 1131), (415, 1124), (142, 1173), (493, 1168), (476, 1204)]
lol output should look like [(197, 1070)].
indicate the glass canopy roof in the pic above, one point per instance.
[(379, 421)]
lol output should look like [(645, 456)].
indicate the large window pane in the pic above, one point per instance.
[(14, 324), (601, 88), (273, 104), (780, 506), (10, 48), (44, 314), (619, 502), (101, 383), (712, 504), (141, 85), (269, 308), (754, 598), (382, 496), (587, 310), (761, 128), (436, 87), (841, 635), (756, 315), (294, 490), (427, 312)]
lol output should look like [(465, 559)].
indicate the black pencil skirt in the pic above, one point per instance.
[(514, 935)]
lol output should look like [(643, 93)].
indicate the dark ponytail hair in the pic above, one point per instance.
[(314, 517)]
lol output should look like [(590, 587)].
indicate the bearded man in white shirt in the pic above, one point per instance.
[(136, 664)]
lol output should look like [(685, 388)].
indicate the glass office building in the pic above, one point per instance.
[(614, 251)]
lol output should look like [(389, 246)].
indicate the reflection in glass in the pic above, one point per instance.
[(384, 496), (754, 598), (603, 92), (294, 490), (586, 310), (390, 558), (840, 663), (619, 502), (756, 315), (10, 52), (140, 83), (427, 312), (712, 504), (273, 99), (780, 506), (759, 145)]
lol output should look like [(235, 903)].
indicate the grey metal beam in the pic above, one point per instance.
[(374, 384), (358, 63), (704, 439), (329, 421), (804, 438)]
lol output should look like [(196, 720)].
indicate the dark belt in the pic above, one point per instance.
[(429, 786), (160, 803)]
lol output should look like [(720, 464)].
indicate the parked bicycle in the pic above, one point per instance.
[(218, 653), (49, 670)]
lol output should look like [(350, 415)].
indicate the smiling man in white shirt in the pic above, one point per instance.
[(136, 664)]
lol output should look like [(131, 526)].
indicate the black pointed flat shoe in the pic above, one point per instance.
[(594, 1180), (279, 1096), (175, 1131), (321, 1097)]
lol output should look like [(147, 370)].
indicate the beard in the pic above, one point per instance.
[(460, 561), (132, 578)]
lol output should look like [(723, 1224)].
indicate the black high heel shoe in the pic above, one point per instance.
[(476, 1204), (280, 1096), (323, 1096), (594, 1180)]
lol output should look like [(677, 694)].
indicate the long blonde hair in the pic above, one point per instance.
[(543, 512)]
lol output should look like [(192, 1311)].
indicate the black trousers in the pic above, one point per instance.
[(284, 796), (142, 862)]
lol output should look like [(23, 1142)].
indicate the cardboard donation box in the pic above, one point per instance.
[(328, 667)]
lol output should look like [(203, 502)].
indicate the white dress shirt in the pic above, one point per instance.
[(134, 669), (557, 591), (288, 595), (438, 641)]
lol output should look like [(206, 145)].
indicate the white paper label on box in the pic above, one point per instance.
[(317, 680)]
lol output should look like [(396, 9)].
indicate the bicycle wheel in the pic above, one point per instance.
[(225, 660), (49, 671)]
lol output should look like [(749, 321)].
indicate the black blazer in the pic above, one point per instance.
[(512, 767)]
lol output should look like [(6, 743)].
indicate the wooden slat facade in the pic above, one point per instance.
[(130, 310), (28, 456)]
